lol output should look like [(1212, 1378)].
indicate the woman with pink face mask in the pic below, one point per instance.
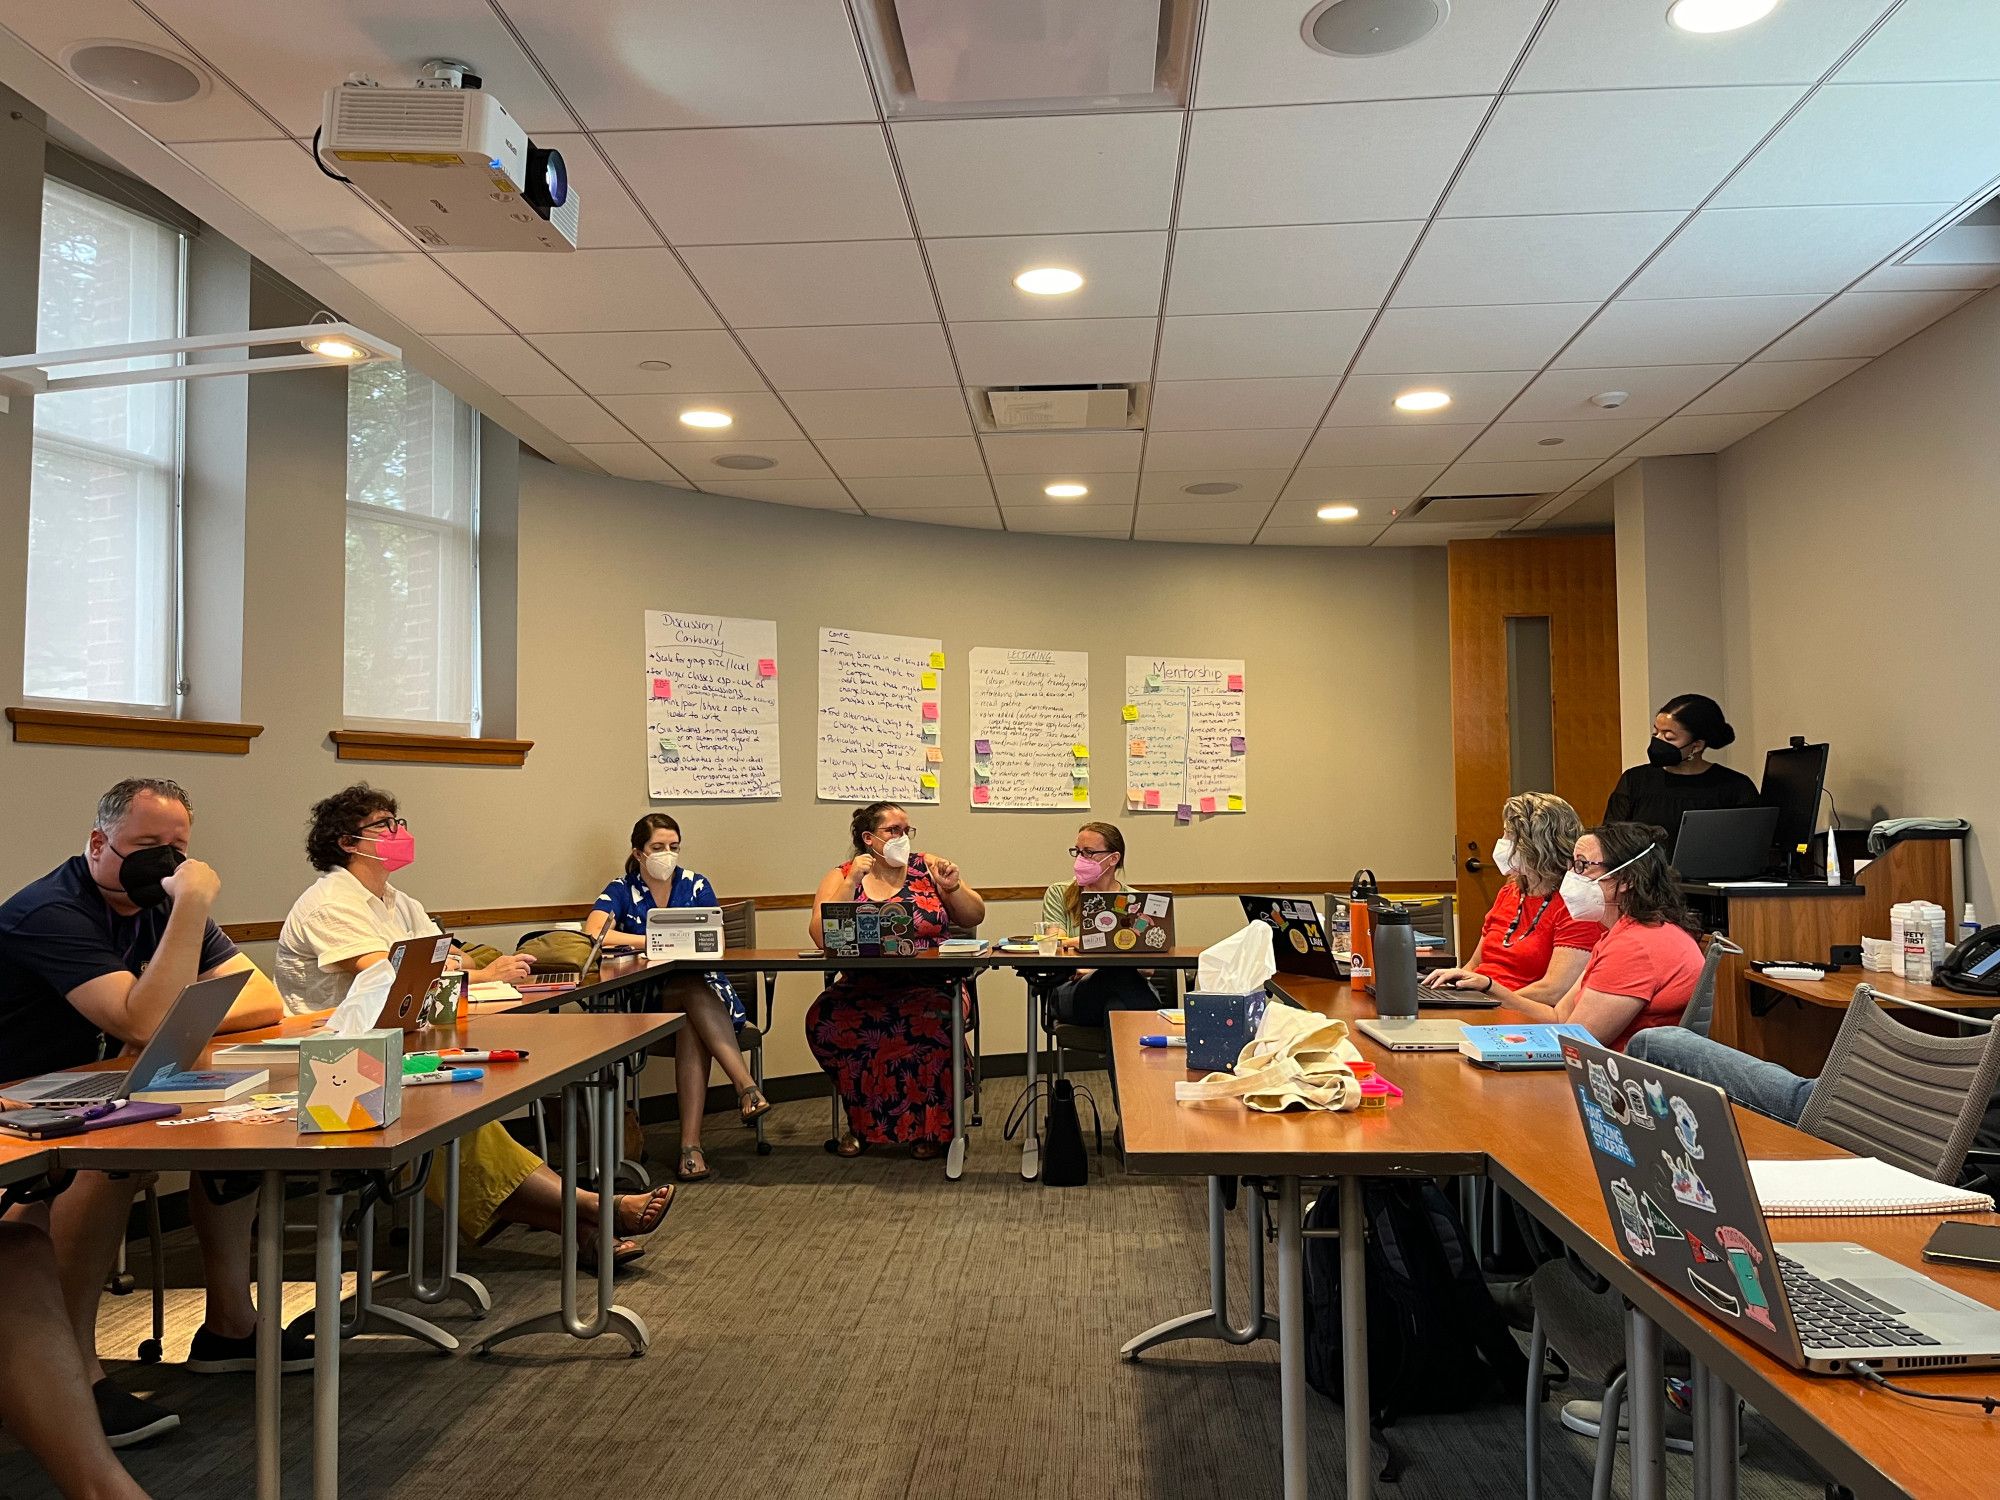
[(1097, 863)]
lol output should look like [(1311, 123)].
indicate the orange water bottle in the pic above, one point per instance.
[(1361, 933)]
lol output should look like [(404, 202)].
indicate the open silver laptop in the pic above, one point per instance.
[(1400, 1035), (187, 1027), (1671, 1165)]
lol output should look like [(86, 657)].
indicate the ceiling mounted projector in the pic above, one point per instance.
[(447, 162)]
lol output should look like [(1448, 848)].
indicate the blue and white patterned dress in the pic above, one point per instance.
[(627, 900)]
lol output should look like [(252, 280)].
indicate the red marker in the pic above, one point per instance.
[(484, 1054)]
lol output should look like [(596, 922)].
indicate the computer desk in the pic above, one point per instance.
[(23, 1159), (1522, 1129)]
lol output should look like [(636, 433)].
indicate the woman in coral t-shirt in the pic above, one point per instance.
[(1530, 944), (1644, 969)]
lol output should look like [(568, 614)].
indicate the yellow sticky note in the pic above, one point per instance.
[(1131, 713), (937, 660), (1081, 752), (934, 755), (928, 681), (1082, 794), (929, 781), (1235, 803)]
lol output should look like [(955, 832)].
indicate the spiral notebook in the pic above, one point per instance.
[(1841, 1186)]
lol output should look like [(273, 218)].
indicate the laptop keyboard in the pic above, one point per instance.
[(1828, 1319), (1430, 994), (87, 1091)]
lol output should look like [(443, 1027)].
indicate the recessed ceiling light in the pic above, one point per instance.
[(1548, 442), (696, 417), (1337, 512), (1369, 28), (1422, 401), (1706, 17), (1048, 281), (1211, 487), (654, 364), (1065, 491), (134, 71), (744, 461)]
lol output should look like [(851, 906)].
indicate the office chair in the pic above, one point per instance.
[(1700, 1012)]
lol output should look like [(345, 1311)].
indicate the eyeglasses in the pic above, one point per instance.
[(897, 831), (1585, 866), (384, 825), (1076, 853)]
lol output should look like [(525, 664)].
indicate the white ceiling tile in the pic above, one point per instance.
[(1684, 330), (1287, 268), (759, 416), (1370, 400), (1930, 39), (1614, 151), (749, 186), (842, 281), (631, 461), (987, 519), (1865, 324), (1319, 534), (1055, 351), (574, 419), (811, 494), (608, 364), (796, 459), (508, 364), (1046, 174), (1121, 275), (277, 181), (824, 359), (1749, 252), (1247, 345), (1254, 487), (1876, 143), (608, 217), (1080, 520), (286, 57), (1252, 53), (1416, 339), (587, 291), (1470, 262), (411, 287), (1347, 447), (1375, 512), (1564, 395), (1527, 442), (1207, 405), (1026, 490), (1698, 434), (1386, 482), (937, 411), (646, 63), (873, 458), (932, 492), (1276, 448), (1773, 385), (1464, 478), (222, 114), (1620, 44), (1923, 278), (1324, 163), (1059, 454)]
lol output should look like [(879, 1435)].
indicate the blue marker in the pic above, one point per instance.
[(445, 1075), (1162, 1041)]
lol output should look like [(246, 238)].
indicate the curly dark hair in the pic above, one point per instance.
[(339, 817), (1650, 887), (864, 820)]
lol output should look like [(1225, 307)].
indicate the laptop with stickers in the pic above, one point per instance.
[(1671, 1166), (1298, 942), (1125, 922)]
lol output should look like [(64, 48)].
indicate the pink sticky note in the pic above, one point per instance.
[(766, 667), (1235, 682), (1236, 744), (981, 794), (1183, 813), (1208, 805), (663, 687), (1153, 798), (930, 713)]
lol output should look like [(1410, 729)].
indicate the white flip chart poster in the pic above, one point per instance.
[(1030, 727), (711, 706), (880, 717), (1187, 751)]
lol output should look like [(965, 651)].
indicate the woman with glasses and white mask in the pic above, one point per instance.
[(1531, 944), (1644, 969), (654, 876), (884, 1035)]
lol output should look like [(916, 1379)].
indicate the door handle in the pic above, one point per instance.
[(1473, 866)]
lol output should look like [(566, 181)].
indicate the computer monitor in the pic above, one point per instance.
[(1793, 778)]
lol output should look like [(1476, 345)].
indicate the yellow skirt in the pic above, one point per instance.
[(491, 1166)]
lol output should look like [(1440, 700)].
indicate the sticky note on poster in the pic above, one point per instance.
[(1235, 682), (1183, 814), (767, 666), (928, 682), (663, 689), (1152, 797), (937, 661), (982, 747), (1081, 794), (929, 781), (1235, 802), (1236, 744), (1207, 805), (930, 713), (1137, 747), (934, 754), (982, 794), (1131, 713), (1081, 752)]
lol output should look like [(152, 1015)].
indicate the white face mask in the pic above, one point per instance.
[(897, 850), (1585, 897), (1503, 856), (661, 864)]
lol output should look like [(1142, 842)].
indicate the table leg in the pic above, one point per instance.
[(469, 1289), (270, 1334), (1031, 1128), (368, 1316), (1715, 1436), (326, 1351), (1212, 1322), (1292, 1341), (1355, 1397), (1644, 1390), (954, 1156)]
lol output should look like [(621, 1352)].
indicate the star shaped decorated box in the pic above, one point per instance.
[(350, 1082)]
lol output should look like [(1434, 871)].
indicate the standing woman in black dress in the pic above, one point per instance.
[(1678, 775)]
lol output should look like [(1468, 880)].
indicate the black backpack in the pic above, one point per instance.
[(1437, 1342)]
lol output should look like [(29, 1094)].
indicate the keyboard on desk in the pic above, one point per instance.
[(1829, 1319), (1432, 995)]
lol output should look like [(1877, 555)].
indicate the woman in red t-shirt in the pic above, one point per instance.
[(1643, 971), (1530, 945)]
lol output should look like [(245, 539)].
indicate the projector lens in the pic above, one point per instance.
[(548, 179)]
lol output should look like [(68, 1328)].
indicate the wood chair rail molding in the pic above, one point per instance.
[(68, 726), (427, 749)]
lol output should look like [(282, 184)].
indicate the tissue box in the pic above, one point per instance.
[(350, 1082), (1219, 1027)]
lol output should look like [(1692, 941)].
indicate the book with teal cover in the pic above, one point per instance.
[(212, 1086), (1520, 1046)]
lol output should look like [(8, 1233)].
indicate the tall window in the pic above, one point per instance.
[(412, 552), (104, 611)]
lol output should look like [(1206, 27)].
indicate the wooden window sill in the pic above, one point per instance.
[(427, 749), (64, 726)]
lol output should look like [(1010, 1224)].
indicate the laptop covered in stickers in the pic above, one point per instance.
[(1671, 1166), (870, 929)]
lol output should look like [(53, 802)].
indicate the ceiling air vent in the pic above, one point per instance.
[(1462, 510), (1061, 408)]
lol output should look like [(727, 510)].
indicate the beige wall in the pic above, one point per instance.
[(1859, 537), (1669, 596)]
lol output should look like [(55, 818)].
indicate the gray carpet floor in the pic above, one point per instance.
[(827, 1329)]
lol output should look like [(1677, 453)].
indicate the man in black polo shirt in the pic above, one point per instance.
[(92, 955)]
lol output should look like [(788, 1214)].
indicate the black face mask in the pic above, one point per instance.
[(143, 870), (1662, 753)]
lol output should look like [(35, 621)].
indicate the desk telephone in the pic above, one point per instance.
[(1973, 967)]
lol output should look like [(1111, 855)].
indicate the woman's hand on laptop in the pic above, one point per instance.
[(1457, 979), (509, 968)]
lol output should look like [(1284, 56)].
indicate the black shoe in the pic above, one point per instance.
[(212, 1354), (1516, 1301), (127, 1419)]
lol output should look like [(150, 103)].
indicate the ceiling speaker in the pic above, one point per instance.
[(1369, 28), (134, 71)]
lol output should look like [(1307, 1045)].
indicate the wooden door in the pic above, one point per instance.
[(1571, 583)]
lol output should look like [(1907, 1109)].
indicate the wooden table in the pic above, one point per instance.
[(1834, 991), (22, 1159)]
